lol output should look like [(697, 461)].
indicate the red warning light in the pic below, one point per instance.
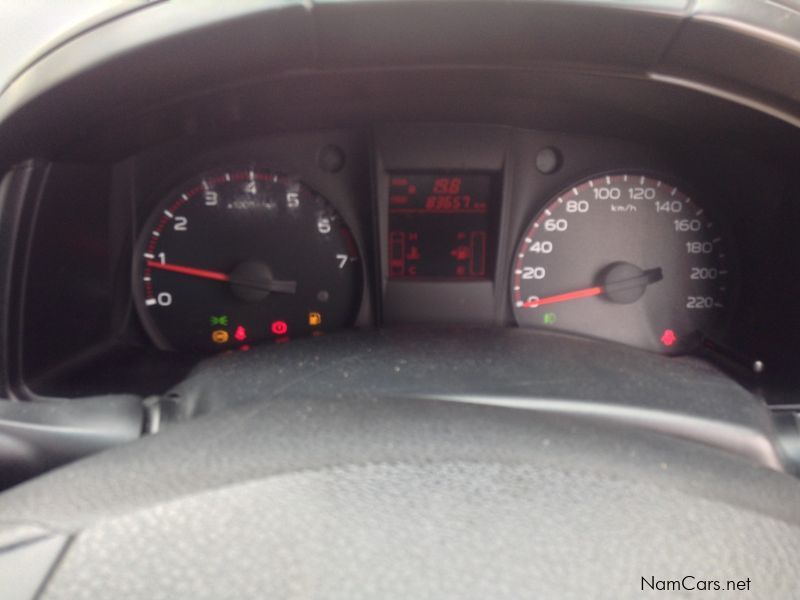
[(668, 337), (279, 327), (461, 253), (240, 334)]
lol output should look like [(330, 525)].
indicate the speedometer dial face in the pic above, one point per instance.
[(623, 257), (241, 255)]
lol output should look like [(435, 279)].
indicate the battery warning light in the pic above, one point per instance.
[(314, 319), (240, 334), (668, 337), (279, 327)]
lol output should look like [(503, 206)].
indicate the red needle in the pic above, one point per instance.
[(611, 288), (189, 271), (584, 293)]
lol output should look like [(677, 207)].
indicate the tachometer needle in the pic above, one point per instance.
[(189, 271), (646, 278), (267, 285)]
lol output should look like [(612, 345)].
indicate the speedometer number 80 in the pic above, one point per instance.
[(622, 257)]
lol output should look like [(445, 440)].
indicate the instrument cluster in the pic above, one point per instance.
[(440, 225)]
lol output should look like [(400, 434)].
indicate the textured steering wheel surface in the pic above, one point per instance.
[(403, 498), (289, 484)]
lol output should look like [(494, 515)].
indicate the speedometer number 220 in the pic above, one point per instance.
[(624, 257)]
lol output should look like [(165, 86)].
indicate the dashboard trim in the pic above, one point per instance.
[(736, 439)]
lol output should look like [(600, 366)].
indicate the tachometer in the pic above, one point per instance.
[(240, 255), (623, 257)]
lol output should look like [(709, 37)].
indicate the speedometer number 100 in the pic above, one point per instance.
[(626, 257)]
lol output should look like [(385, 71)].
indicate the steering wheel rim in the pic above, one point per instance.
[(409, 497)]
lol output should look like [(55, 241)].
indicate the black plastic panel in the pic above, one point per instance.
[(19, 198), (155, 94), (404, 148), (67, 307), (474, 32), (38, 436)]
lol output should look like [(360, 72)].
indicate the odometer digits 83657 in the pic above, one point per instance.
[(623, 257), (442, 226), (240, 255)]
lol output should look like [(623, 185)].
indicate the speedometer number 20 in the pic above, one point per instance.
[(624, 257)]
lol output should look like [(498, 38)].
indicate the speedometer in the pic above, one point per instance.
[(624, 257), (239, 255)]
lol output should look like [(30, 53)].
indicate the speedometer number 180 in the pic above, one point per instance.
[(624, 257)]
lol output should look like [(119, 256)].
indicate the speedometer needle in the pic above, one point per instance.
[(267, 285), (644, 279), (584, 293)]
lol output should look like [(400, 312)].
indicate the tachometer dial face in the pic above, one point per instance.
[(623, 257), (242, 255)]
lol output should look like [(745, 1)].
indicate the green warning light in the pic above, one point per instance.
[(219, 320), (549, 318)]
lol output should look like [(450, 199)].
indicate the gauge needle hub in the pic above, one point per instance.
[(645, 278), (610, 288), (263, 284)]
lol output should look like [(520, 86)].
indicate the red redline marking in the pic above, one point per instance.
[(349, 242), (194, 191)]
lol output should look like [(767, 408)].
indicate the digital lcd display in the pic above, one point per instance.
[(441, 226)]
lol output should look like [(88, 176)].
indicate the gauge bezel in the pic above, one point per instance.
[(723, 319), (145, 318)]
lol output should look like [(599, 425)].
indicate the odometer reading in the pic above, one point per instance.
[(242, 255), (441, 226), (623, 257)]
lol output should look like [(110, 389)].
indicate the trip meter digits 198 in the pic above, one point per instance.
[(240, 255), (441, 226), (623, 257)]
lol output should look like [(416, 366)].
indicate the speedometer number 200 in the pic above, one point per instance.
[(625, 257)]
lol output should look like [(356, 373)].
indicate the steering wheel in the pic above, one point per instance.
[(505, 465), (360, 496)]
